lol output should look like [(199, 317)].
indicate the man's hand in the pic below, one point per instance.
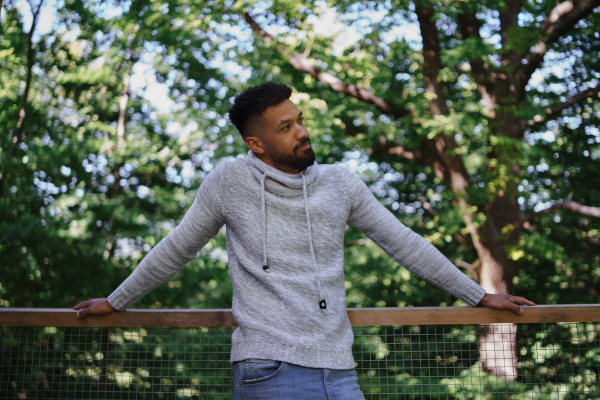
[(504, 302), (94, 307)]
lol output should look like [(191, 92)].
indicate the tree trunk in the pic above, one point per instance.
[(118, 147), (497, 342), (497, 347), (104, 348), (497, 350)]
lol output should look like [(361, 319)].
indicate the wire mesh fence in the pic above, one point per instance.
[(554, 361)]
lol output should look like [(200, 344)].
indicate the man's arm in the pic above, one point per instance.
[(201, 222), (414, 252)]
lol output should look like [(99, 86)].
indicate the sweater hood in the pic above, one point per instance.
[(279, 182)]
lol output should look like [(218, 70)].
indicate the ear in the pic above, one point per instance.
[(255, 144)]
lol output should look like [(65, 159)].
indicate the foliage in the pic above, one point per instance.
[(83, 203)]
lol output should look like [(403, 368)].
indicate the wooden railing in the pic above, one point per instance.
[(64, 317), (425, 352)]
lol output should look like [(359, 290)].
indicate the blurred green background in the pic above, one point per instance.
[(475, 123)]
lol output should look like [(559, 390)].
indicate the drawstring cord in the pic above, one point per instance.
[(264, 214), (322, 302)]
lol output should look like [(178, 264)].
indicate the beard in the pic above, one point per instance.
[(298, 159)]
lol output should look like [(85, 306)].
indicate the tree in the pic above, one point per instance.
[(93, 178)]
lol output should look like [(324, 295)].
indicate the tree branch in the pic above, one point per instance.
[(452, 167), (350, 243), (30, 61), (122, 111), (555, 109), (431, 61), (562, 18), (471, 268), (111, 245), (391, 148), (509, 19), (302, 63), (567, 204), (256, 29), (463, 240), (449, 168), (469, 27), (18, 132), (426, 205)]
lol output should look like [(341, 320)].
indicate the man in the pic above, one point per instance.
[(286, 217)]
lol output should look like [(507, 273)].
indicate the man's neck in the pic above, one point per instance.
[(282, 168)]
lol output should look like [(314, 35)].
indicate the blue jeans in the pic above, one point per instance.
[(265, 379)]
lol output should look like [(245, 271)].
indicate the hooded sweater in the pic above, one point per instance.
[(285, 246)]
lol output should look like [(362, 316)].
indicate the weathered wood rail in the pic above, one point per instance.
[(64, 317)]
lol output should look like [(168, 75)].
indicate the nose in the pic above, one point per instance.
[(302, 133)]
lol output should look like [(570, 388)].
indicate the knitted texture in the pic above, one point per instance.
[(277, 308)]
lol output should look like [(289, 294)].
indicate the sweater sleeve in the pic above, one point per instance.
[(201, 222), (406, 247)]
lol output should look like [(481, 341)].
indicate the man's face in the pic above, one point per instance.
[(283, 143)]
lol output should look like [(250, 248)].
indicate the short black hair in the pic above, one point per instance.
[(253, 101)]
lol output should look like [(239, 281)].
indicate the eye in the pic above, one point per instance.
[(301, 120)]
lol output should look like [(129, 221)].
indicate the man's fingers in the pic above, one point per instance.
[(519, 310), (527, 302), (84, 304), (515, 308), (84, 313), (522, 300)]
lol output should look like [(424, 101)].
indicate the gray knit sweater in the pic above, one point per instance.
[(285, 243)]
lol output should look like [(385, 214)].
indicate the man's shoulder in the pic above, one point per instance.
[(230, 168), (336, 171), (331, 168)]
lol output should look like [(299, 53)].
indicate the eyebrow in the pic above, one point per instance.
[(285, 121)]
